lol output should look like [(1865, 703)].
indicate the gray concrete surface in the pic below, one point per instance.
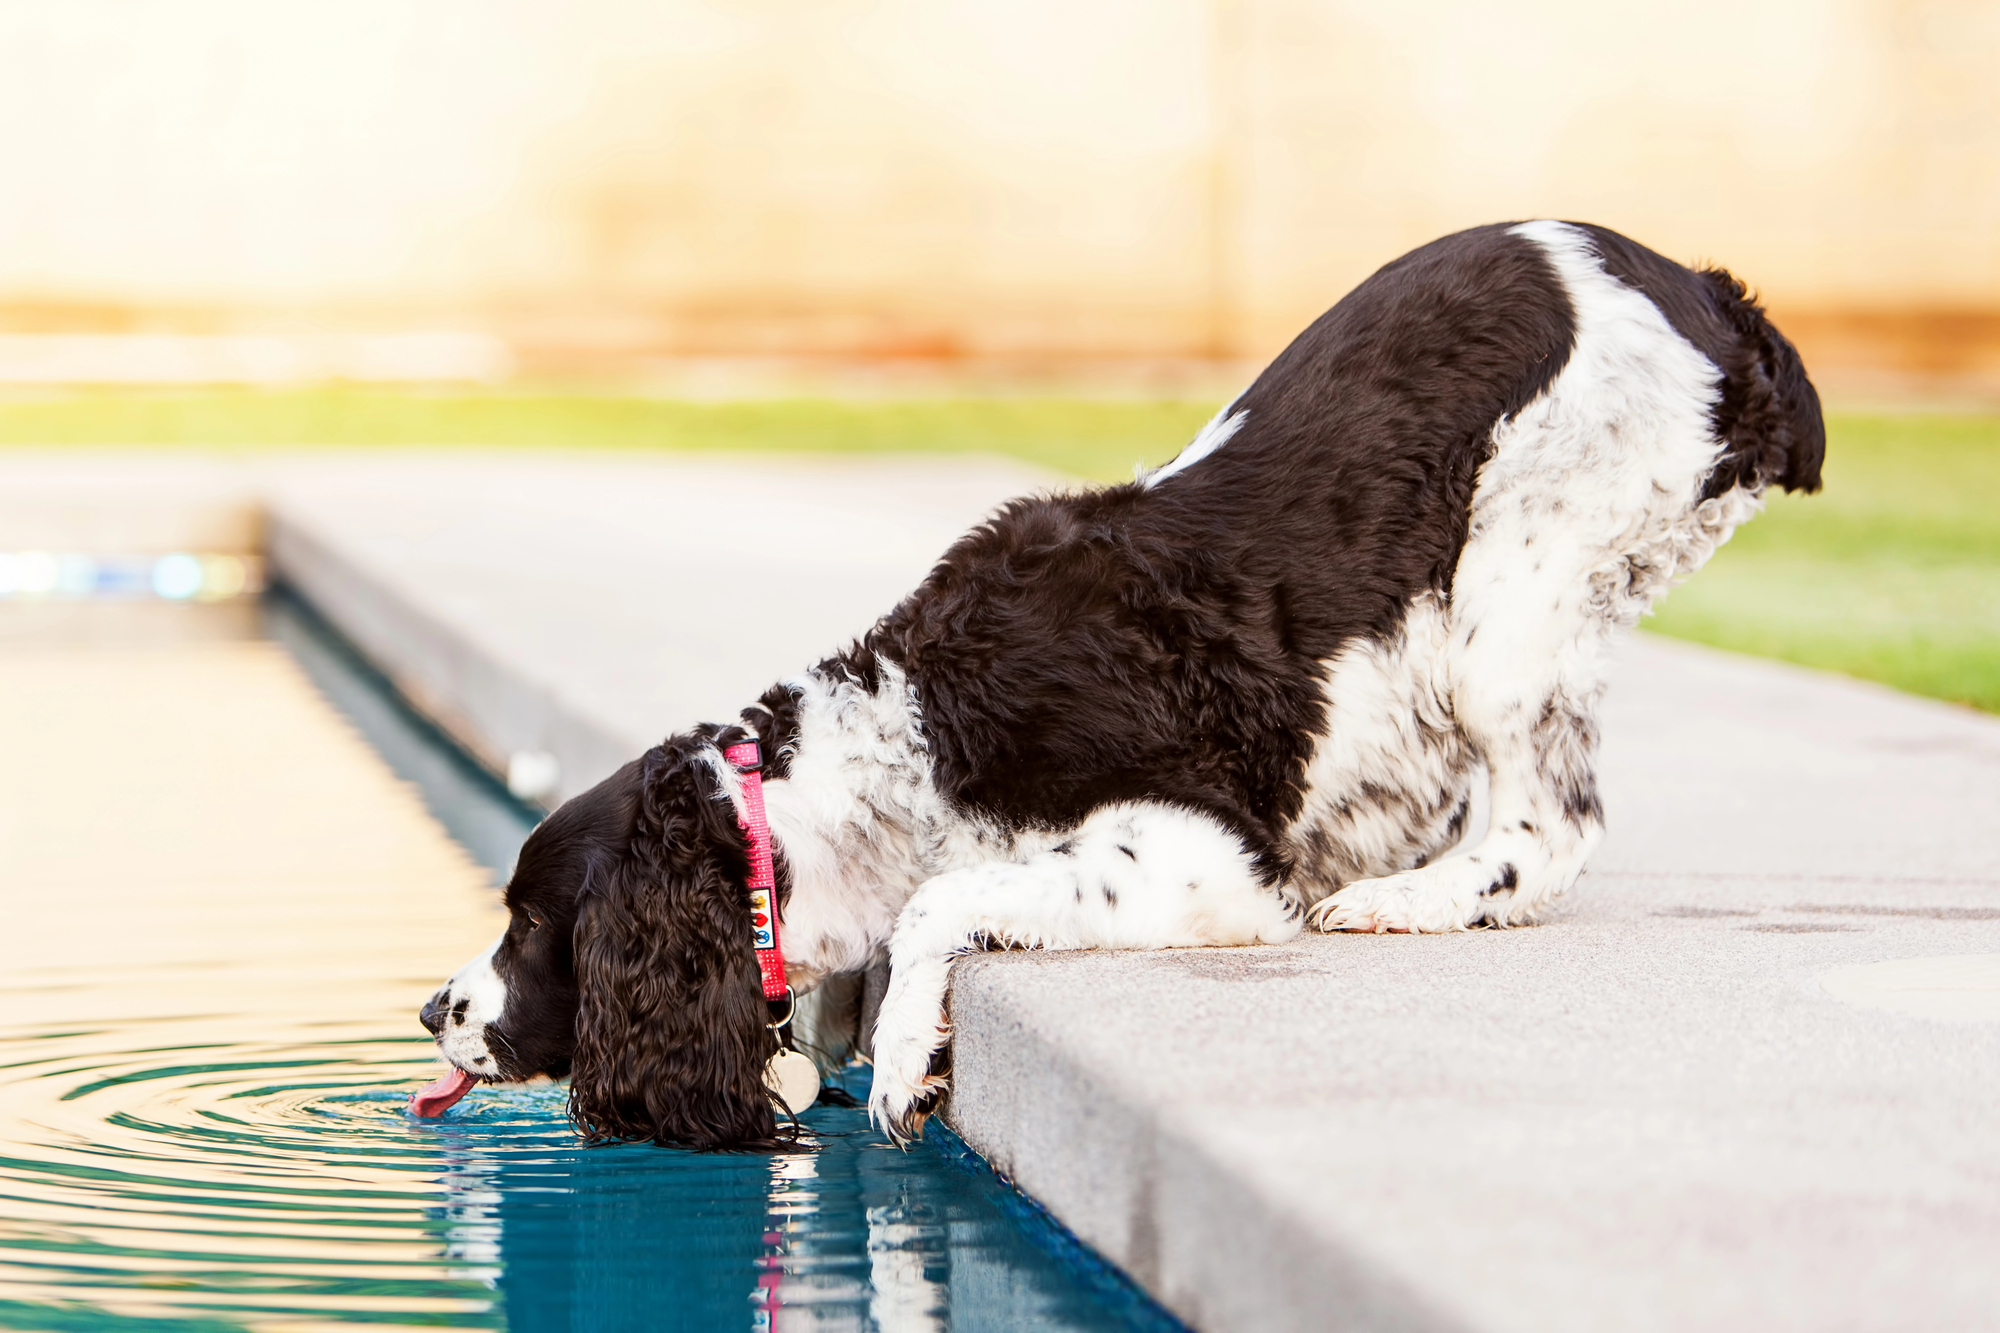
[(1656, 1111), (584, 606)]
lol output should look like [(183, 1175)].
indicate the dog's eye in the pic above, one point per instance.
[(534, 921)]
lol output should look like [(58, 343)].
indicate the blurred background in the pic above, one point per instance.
[(609, 188), (1064, 232)]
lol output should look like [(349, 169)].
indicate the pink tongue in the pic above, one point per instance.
[(434, 1099)]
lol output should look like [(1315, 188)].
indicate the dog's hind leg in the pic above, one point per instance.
[(1537, 731), (1588, 508), (1531, 642), (1134, 876), (1574, 530)]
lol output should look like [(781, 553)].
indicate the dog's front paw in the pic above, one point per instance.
[(900, 1110), (906, 1087), (1415, 901)]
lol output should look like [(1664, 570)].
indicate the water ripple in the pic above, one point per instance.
[(283, 1185), (182, 1147)]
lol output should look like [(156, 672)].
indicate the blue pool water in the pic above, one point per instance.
[(171, 1169)]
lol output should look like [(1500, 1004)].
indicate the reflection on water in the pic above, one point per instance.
[(210, 1131)]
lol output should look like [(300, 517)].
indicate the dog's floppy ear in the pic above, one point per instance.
[(671, 1041)]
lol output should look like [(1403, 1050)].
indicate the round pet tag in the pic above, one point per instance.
[(795, 1078)]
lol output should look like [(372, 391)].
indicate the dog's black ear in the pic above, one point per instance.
[(671, 1041), (1769, 418)]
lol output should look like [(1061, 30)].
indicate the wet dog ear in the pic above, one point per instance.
[(671, 1041)]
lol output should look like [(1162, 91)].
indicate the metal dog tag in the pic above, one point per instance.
[(795, 1078)]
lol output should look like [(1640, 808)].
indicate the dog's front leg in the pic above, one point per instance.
[(1130, 877), (954, 913)]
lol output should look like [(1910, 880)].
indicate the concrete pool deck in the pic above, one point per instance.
[(583, 607), (1652, 1112)]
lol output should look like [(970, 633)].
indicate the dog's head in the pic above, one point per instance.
[(627, 962)]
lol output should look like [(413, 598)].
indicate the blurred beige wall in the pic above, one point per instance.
[(1135, 178)]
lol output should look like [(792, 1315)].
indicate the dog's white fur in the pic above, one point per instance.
[(483, 994)]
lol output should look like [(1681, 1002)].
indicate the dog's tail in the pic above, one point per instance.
[(1769, 418)]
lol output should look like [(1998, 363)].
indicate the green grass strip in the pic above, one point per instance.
[(1892, 574), (1099, 439)]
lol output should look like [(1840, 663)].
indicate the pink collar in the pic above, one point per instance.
[(748, 760)]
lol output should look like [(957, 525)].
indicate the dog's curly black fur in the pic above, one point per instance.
[(672, 1031)]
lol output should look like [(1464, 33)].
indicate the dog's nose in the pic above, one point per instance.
[(432, 1014)]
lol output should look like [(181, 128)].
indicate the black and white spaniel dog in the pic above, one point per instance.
[(1246, 693)]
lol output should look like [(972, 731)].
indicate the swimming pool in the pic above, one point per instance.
[(193, 1134)]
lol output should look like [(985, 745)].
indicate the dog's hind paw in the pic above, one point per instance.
[(1413, 902)]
